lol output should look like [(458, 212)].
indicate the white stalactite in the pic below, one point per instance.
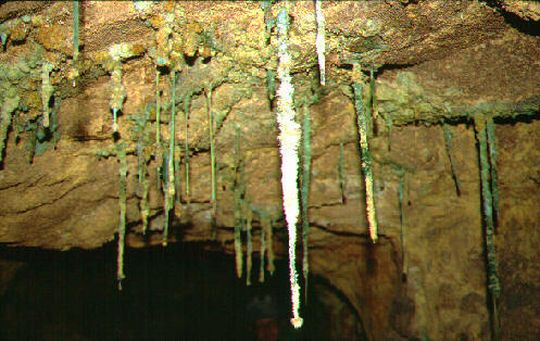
[(320, 40), (289, 138)]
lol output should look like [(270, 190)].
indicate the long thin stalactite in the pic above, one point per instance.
[(493, 283), (448, 136), (122, 172), (306, 175), (289, 140), (367, 170), (170, 177), (492, 148), (320, 41)]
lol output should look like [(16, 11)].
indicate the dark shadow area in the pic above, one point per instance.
[(529, 27), (181, 292)]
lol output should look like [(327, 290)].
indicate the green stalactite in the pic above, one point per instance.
[(306, 175), (341, 172), (493, 283), (492, 148), (177, 175), (367, 170), (11, 103), (239, 191), (158, 110), (75, 30), (400, 191), (320, 41), (170, 174), (122, 171), (212, 159), (187, 106), (448, 146), (249, 253), (144, 207)]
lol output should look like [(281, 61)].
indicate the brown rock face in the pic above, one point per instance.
[(435, 63)]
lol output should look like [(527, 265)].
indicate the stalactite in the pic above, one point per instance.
[(400, 190), (46, 91), (341, 172), (493, 283), (11, 103), (74, 72), (238, 197), (177, 174), (122, 171), (264, 221), (170, 178), (366, 156), (306, 174), (212, 158), (320, 41), (75, 30), (142, 167), (448, 146), (187, 106), (373, 94), (158, 110), (145, 208), (249, 253), (492, 148), (118, 92), (289, 138)]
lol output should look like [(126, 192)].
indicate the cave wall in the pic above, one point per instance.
[(436, 61)]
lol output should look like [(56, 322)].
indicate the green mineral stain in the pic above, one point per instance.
[(4, 39), (10, 105)]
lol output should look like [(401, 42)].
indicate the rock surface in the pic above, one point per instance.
[(434, 60)]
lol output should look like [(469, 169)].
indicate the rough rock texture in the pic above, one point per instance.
[(435, 61)]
